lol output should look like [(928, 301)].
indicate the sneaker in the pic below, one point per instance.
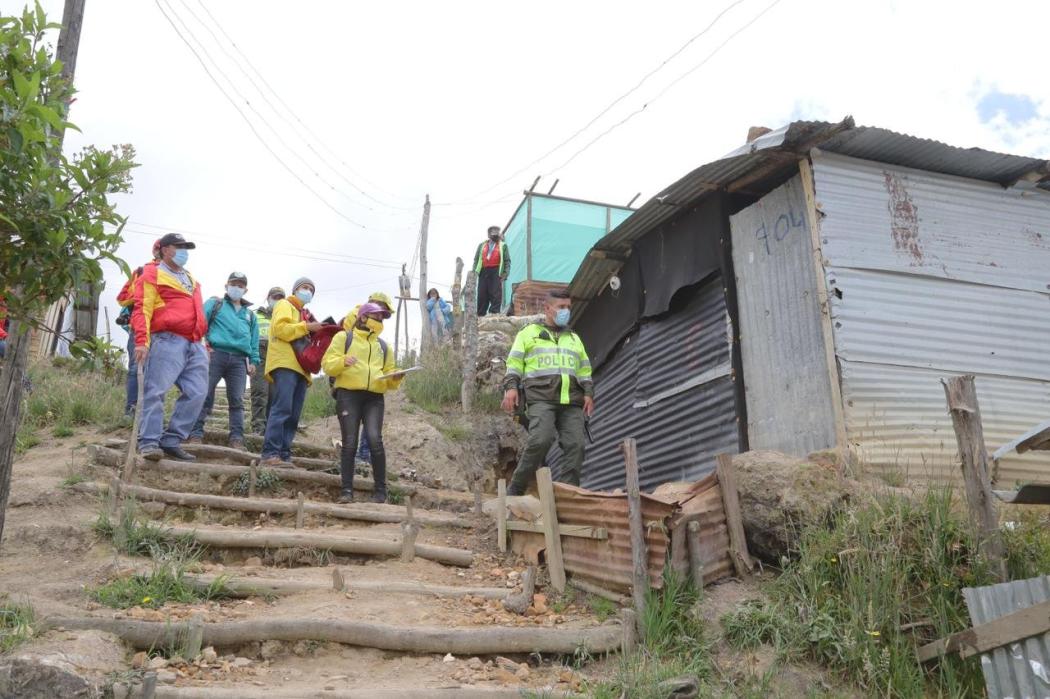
[(179, 454), (194, 440), (346, 497), (151, 453), (378, 497), (272, 461), (237, 444)]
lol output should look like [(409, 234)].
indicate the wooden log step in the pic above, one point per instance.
[(341, 543), (255, 442), (362, 513), (167, 691), (473, 640), (264, 587)]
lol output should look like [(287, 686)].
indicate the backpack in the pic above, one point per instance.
[(346, 348), (309, 350)]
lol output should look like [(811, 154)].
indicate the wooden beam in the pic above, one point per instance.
[(742, 562), (1024, 623), (555, 565), (577, 530), (961, 395), (639, 550)]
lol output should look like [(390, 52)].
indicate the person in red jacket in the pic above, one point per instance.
[(126, 299), (169, 324)]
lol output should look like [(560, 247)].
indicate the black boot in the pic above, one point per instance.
[(179, 454), (345, 497)]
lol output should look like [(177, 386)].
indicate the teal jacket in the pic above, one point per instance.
[(234, 331)]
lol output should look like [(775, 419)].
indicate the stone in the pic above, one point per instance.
[(209, 655), (36, 678), (504, 677), (270, 649), (506, 664), (166, 676), (475, 663), (523, 672), (254, 561), (449, 658), (302, 649), (157, 663), (781, 494), (685, 687), (139, 659), (241, 662)]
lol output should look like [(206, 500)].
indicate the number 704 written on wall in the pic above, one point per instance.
[(782, 227)]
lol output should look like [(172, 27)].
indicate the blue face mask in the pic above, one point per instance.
[(181, 257), (235, 292), (304, 295), (561, 318)]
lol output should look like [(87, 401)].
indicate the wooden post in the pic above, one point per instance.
[(397, 326), (477, 496), (409, 530), (338, 581), (425, 338), (195, 637), (457, 311), (252, 475), (470, 341), (961, 396), (639, 551), (501, 514), (129, 463), (742, 562), (15, 362), (696, 561), (551, 536), (299, 513), (149, 685), (629, 619)]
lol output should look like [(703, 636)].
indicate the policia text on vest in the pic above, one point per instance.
[(550, 365)]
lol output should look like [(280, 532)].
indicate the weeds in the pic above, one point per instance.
[(455, 432), (894, 563), (439, 384), (1028, 546), (266, 481), (74, 478), (602, 608), (65, 397), (16, 624), (134, 538), (673, 645), (395, 495), (167, 582), (319, 402)]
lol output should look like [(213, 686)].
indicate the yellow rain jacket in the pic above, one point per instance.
[(286, 326), (372, 361)]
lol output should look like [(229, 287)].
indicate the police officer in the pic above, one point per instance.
[(550, 364), (260, 391)]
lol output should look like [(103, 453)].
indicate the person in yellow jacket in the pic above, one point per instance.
[(364, 453), (358, 361), (291, 320)]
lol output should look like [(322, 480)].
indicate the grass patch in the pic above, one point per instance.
[(674, 645), (134, 538), (395, 495), (1028, 545), (65, 397), (454, 432), (74, 478), (488, 402), (439, 383), (167, 582), (318, 403), (266, 481), (16, 624), (602, 608), (892, 562)]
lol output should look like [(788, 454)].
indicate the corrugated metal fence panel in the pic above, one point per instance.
[(1019, 670), (940, 324), (898, 423), (896, 219), (678, 435), (781, 340)]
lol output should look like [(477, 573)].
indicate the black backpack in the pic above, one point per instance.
[(346, 348)]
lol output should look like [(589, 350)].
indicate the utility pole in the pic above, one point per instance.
[(424, 338), (85, 295)]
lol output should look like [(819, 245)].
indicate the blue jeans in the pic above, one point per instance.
[(3, 348), (364, 453), (172, 361), (231, 368), (132, 396), (289, 392)]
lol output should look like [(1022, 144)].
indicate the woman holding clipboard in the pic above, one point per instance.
[(359, 362)]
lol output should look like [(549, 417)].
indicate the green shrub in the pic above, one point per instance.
[(439, 383), (266, 481), (134, 538), (167, 582), (319, 402), (16, 624)]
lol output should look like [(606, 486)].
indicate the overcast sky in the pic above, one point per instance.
[(373, 105)]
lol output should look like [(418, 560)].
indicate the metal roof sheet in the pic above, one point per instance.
[(769, 159)]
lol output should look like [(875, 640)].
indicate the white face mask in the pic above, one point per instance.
[(235, 292)]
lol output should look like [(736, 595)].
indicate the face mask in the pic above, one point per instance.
[(561, 318), (235, 292), (182, 256), (304, 295), (270, 303), (374, 325)]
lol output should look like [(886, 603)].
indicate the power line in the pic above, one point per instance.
[(295, 116), (244, 116), (616, 101), (660, 94)]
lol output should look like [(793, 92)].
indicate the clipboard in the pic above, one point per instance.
[(400, 372)]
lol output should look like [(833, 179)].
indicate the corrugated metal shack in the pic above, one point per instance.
[(809, 290)]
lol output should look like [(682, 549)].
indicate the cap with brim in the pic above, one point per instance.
[(177, 240), (275, 290), (237, 277)]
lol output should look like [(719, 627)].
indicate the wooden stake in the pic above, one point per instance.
[(409, 530), (696, 562), (501, 514), (629, 619), (961, 395), (425, 339), (129, 463), (457, 311), (300, 515), (639, 551), (477, 497), (338, 581), (194, 637), (252, 476), (149, 685), (555, 565), (742, 562), (470, 341)]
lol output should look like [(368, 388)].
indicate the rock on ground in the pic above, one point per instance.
[(780, 494), (66, 664)]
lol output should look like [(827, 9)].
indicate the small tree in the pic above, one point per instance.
[(54, 211)]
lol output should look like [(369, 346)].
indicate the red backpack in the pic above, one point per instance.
[(310, 349)]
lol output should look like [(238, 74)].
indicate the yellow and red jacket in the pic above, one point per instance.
[(126, 297), (162, 304)]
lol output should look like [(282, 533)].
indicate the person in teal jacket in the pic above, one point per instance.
[(233, 345)]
